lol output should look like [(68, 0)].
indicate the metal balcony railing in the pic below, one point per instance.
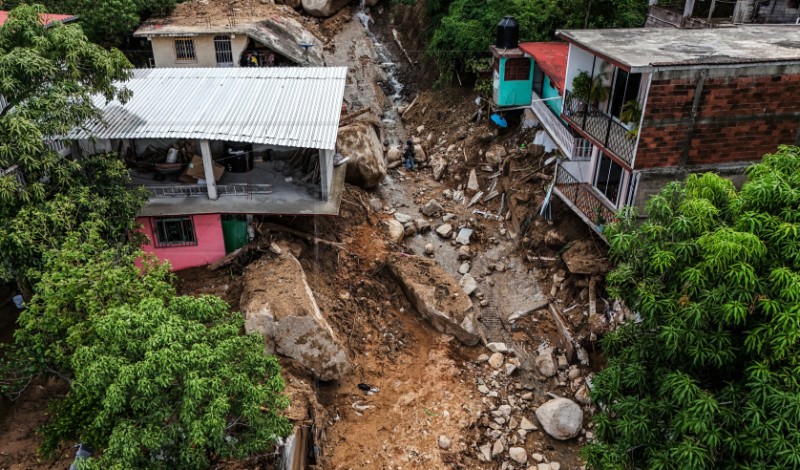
[(553, 125), (583, 198), (237, 189), (603, 128)]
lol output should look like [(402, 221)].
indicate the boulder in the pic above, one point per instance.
[(359, 141), (545, 363), (431, 208), (277, 302), (495, 155), (561, 418), (393, 155), (395, 229), (419, 154), (438, 165), (518, 455), (323, 8), (444, 230), (436, 296)]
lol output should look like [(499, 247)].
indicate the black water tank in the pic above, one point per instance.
[(238, 157), (507, 33)]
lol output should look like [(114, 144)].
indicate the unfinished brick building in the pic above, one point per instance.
[(657, 104)]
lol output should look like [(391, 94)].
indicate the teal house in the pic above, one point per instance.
[(512, 77)]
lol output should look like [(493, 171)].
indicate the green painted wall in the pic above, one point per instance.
[(549, 91), (514, 92)]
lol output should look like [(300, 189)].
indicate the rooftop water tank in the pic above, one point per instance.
[(507, 33)]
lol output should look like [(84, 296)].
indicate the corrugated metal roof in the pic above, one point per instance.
[(284, 106)]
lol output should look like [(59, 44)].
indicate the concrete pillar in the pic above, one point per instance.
[(688, 9), (208, 169), (326, 172)]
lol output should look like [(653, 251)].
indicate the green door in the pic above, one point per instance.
[(234, 232)]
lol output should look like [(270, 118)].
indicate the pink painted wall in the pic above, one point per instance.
[(210, 244)]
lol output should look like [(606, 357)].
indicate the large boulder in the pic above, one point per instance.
[(561, 418), (277, 302), (360, 142), (323, 8), (436, 296)]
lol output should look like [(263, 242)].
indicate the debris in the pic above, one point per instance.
[(444, 442), (362, 408), (468, 283), (464, 236), (431, 208), (444, 230), (475, 199), (368, 389), (400, 46), (472, 181), (566, 336), (583, 257), (497, 347), (518, 455)]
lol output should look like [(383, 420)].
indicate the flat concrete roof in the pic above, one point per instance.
[(645, 49)]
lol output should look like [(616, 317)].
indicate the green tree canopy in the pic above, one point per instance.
[(709, 377)]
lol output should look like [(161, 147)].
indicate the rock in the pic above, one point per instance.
[(518, 455), (423, 226), (323, 8), (366, 167), (403, 218), (555, 466), (277, 302), (375, 204), (463, 269), (436, 296), (444, 230), (463, 236), (562, 362), (472, 182), (444, 442), (420, 156), (537, 457), (555, 239), (486, 452), (394, 154), (525, 424), (468, 283), (504, 411), (483, 389), (429, 249), (497, 347), (275, 249), (496, 360), (464, 253), (431, 208), (495, 155), (498, 448), (561, 418), (396, 230), (510, 368), (543, 466), (544, 362), (573, 373), (438, 165), (448, 217), (582, 395)]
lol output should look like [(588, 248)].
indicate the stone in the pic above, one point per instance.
[(537, 457), (468, 283), (498, 447), (464, 268), (275, 249), (463, 252), (561, 418), (496, 360), (323, 8), (423, 226), (403, 218), (582, 395), (495, 155), (483, 389), (375, 204), (278, 303), (555, 239), (410, 229), (510, 369), (393, 154), (444, 442), (497, 347), (544, 362), (543, 466), (448, 217), (359, 140), (431, 208), (486, 452), (444, 230), (463, 236), (395, 229), (504, 410), (555, 466), (527, 425), (562, 362), (518, 454), (429, 249), (472, 181), (438, 165), (436, 296)]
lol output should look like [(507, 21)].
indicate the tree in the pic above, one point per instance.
[(156, 380), (710, 376)]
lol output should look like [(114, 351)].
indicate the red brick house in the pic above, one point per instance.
[(667, 102)]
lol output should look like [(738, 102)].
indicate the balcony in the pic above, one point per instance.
[(584, 200), (602, 128), (557, 130)]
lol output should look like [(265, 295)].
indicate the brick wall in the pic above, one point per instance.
[(742, 114)]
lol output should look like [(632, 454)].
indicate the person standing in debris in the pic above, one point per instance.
[(409, 155)]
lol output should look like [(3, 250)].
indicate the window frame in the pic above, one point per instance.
[(187, 231), (184, 49), (515, 68)]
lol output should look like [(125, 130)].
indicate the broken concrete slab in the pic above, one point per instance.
[(444, 230), (277, 302), (436, 296), (463, 236), (431, 208), (468, 283)]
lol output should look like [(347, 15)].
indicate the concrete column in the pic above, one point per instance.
[(208, 169), (326, 172), (688, 9)]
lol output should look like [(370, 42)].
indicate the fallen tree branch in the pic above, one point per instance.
[(353, 115), (400, 45)]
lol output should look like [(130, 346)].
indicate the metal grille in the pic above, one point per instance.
[(222, 47), (582, 149), (237, 189), (583, 198), (177, 231), (602, 127), (554, 126), (184, 50)]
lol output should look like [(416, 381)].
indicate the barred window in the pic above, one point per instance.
[(184, 49), (176, 231), (518, 69)]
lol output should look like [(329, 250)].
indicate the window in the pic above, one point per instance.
[(538, 81), (518, 69), (176, 231), (222, 47), (184, 50), (609, 178)]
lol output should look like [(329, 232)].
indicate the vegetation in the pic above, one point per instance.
[(710, 377), (468, 27)]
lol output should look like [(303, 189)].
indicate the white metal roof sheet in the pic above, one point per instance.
[(283, 106)]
